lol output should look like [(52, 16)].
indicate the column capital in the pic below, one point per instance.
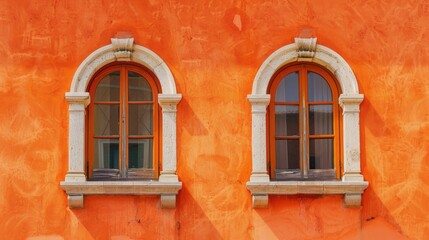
[(350, 102), (169, 102), (351, 98), (257, 99), (170, 99), (78, 98), (259, 102)]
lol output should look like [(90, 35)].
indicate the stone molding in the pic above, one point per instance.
[(350, 103), (352, 183), (76, 190), (261, 190), (75, 183), (169, 102)]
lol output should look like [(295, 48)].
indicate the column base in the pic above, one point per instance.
[(352, 177), (75, 177), (168, 177), (259, 177)]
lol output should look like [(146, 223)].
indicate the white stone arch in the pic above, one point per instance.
[(76, 184), (322, 55), (123, 50), (352, 183)]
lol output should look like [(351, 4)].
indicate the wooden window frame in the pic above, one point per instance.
[(303, 104), (123, 138)]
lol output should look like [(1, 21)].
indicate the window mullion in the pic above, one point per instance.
[(304, 123), (123, 123)]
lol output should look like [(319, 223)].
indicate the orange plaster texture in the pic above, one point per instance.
[(214, 49)]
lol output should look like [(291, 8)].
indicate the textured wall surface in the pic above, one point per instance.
[(214, 49)]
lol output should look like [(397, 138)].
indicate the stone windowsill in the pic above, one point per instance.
[(306, 187), (76, 190), (121, 187), (351, 190)]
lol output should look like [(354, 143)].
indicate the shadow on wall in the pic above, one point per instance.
[(317, 217), (305, 217), (396, 167), (377, 223), (193, 221), (213, 202), (140, 217), (193, 124)]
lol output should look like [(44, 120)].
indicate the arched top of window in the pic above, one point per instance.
[(286, 82), (143, 84), (306, 50), (123, 50)]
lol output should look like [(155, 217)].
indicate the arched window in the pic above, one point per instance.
[(302, 95), (118, 98), (303, 124), (123, 133)]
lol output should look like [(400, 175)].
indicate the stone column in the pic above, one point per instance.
[(350, 105), (259, 142), (77, 104), (169, 103)]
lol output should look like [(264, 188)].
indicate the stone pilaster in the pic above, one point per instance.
[(77, 104), (259, 143), (350, 105), (169, 103)]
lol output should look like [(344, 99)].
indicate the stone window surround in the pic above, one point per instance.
[(75, 183), (352, 184)]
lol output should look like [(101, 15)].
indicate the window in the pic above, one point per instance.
[(302, 96), (122, 119), (303, 124), (123, 124)]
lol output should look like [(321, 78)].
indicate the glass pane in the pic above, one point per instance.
[(287, 120), (138, 88), (321, 154), (140, 119), (287, 154), (140, 152), (106, 119), (287, 90), (106, 153), (108, 88), (318, 88), (321, 119)]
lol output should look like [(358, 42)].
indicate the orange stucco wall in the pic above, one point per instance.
[(214, 60)]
